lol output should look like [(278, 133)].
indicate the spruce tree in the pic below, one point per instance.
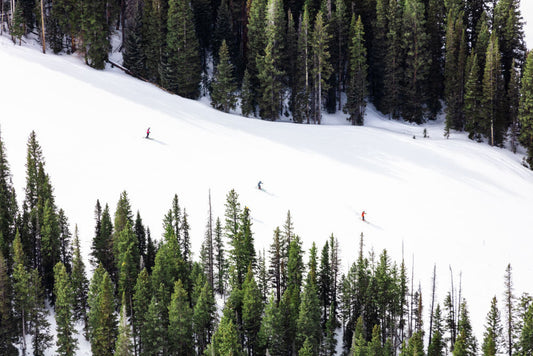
[(180, 330), (435, 26), (309, 318), (123, 345), (324, 283), (357, 85), (513, 100), (7, 331), (8, 205), (79, 282), (204, 317), (466, 344), (134, 58), (379, 52), (509, 309), (321, 69), (42, 339), (64, 312), (525, 111), (252, 310), (22, 302), (183, 70), (492, 337), (472, 104), (127, 262), (437, 344), (141, 302), (255, 48), (247, 95), (493, 124), (525, 343), (49, 245), (394, 62), (223, 86), (276, 264), (96, 39), (154, 330), (102, 322), (220, 262), (417, 61), (270, 63), (226, 339), (65, 250), (302, 87), (140, 233)]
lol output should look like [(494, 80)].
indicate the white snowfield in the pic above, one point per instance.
[(445, 202)]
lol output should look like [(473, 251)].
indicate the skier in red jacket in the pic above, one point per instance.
[(363, 215), (147, 132)]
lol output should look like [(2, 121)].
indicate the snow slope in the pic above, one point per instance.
[(448, 202)]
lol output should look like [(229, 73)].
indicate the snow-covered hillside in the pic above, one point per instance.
[(449, 202)]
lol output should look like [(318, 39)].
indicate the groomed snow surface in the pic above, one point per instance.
[(444, 202)]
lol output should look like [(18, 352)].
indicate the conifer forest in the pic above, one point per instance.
[(151, 296), (412, 59)]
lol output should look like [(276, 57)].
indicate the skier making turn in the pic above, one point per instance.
[(148, 133)]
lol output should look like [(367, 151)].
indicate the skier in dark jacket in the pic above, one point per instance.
[(259, 185)]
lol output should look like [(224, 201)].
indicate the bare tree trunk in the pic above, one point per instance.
[(43, 38), (432, 302)]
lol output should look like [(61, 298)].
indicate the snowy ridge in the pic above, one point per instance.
[(450, 202)]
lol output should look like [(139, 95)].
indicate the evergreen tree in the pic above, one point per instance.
[(435, 28), (203, 16), (358, 347), (151, 250), (276, 264), (79, 282), (493, 124), (133, 55), (140, 233), (525, 343), (255, 47), (42, 339), (324, 283), (309, 318), (220, 262), (22, 302), (65, 250), (321, 69), (301, 110), (437, 344), (329, 341), (49, 245), (8, 205), (525, 111), (247, 95), (102, 322), (64, 310), (153, 38), (509, 306), (7, 332), (466, 344), (204, 317), (492, 337), (123, 345), (154, 330), (270, 66), (127, 262), (513, 100), (101, 249), (379, 51), (472, 104), (180, 331), (417, 61), (141, 303), (223, 86), (357, 85), (183, 70), (96, 38), (226, 339), (394, 62), (252, 309)]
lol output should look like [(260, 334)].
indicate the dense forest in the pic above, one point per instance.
[(413, 59), (151, 296)]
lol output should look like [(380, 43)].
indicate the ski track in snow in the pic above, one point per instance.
[(445, 202)]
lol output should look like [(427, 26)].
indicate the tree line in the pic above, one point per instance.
[(152, 297), (300, 57)]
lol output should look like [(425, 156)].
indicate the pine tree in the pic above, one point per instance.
[(513, 100), (270, 63), (42, 339), (302, 87), (321, 69), (123, 345), (180, 331), (101, 248), (64, 310), (525, 343), (509, 306), (22, 302), (276, 263), (324, 283), (140, 233), (154, 330), (127, 262), (203, 15), (393, 62), (223, 86), (96, 39), (153, 38), (357, 85), (255, 48), (417, 61), (102, 322), (435, 26), (472, 104), (493, 123), (247, 95), (330, 342), (309, 318), (183, 70), (79, 282), (220, 262), (204, 317), (492, 337), (358, 347), (466, 344), (8, 205), (133, 55), (379, 52), (525, 111), (49, 245), (7, 331), (437, 345), (252, 309), (141, 303), (65, 250)]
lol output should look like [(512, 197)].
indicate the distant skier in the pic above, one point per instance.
[(148, 133), (363, 215), (259, 185)]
